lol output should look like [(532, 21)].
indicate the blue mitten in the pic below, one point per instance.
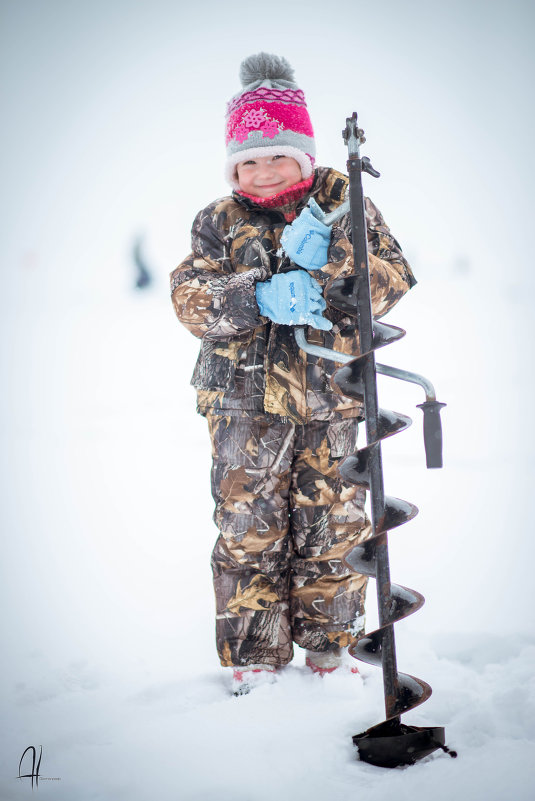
[(292, 298), (307, 239)]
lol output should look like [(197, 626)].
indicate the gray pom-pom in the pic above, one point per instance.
[(264, 66)]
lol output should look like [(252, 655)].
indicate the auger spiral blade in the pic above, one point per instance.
[(389, 423), (361, 558), (403, 602), (391, 744), (342, 294), (396, 513), (355, 468), (349, 379), (410, 691), (384, 334)]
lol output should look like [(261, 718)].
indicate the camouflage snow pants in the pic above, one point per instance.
[(286, 518)]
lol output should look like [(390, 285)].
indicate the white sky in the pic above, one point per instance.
[(115, 121)]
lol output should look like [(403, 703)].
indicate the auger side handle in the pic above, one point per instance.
[(432, 432), (431, 407)]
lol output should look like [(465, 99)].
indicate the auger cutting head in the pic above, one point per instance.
[(392, 744)]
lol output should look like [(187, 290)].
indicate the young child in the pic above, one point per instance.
[(278, 426)]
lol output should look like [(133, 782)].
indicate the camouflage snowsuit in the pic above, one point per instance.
[(279, 428)]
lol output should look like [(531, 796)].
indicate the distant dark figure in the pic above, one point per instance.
[(144, 278)]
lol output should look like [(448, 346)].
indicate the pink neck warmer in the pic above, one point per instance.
[(285, 201)]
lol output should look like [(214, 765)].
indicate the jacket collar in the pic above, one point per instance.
[(285, 202)]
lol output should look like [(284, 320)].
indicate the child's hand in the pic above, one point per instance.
[(306, 240), (292, 298)]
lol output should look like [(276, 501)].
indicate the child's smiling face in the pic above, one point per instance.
[(264, 176)]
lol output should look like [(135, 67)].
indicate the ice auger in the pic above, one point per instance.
[(390, 743)]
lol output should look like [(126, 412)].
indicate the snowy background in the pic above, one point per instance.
[(113, 130)]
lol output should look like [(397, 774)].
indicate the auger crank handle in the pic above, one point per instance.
[(431, 407)]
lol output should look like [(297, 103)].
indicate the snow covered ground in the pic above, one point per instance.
[(106, 632), (108, 639)]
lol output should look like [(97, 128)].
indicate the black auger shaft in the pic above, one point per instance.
[(363, 303)]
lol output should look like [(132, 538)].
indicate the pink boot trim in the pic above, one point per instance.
[(244, 679), (237, 673), (321, 671)]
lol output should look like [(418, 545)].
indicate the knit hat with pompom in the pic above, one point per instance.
[(268, 117)]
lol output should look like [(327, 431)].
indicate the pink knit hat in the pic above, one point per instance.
[(269, 117)]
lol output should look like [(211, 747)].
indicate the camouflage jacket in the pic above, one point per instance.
[(246, 362)]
